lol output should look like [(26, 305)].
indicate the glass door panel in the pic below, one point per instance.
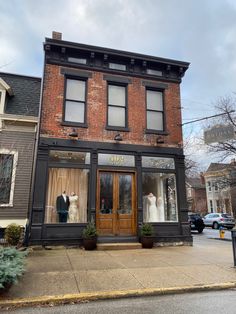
[(106, 193), (125, 194), (116, 213)]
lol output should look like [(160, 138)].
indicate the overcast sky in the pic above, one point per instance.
[(202, 32)]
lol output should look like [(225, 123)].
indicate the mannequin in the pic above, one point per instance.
[(73, 209), (62, 204), (160, 206), (152, 208)]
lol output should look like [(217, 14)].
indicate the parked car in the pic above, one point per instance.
[(196, 222), (215, 220)]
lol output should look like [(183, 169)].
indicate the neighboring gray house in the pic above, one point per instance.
[(19, 108)]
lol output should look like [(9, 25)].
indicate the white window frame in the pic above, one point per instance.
[(148, 110), (13, 176)]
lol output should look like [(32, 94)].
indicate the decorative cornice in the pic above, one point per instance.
[(136, 63)]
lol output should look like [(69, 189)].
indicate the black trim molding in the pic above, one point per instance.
[(116, 79), (155, 84), (76, 73)]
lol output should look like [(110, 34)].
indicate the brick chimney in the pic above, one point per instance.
[(202, 178), (56, 35)]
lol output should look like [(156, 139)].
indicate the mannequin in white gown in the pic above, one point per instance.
[(73, 209), (152, 214)]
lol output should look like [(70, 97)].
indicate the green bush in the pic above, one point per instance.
[(11, 265), (13, 234), (146, 230), (90, 231)]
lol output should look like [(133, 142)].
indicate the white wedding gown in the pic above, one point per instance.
[(152, 209), (73, 209)]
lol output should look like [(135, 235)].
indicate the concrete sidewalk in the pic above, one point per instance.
[(63, 271)]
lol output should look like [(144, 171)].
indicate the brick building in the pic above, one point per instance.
[(110, 143), (196, 195)]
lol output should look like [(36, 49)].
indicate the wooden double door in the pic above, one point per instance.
[(116, 203)]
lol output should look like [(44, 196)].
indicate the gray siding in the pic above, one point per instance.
[(23, 143)]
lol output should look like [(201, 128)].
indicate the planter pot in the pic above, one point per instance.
[(5, 289), (90, 244), (147, 242)]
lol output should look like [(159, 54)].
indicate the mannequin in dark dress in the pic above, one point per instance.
[(63, 204)]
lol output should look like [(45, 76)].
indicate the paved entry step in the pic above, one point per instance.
[(118, 246)]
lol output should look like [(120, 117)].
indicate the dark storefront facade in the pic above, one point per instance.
[(112, 182), (106, 176)]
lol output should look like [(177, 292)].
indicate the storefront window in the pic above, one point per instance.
[(159, 197), (68, 157), (67, 195), (158, 162)]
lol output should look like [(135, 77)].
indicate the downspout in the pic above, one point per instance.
[(37, 135)]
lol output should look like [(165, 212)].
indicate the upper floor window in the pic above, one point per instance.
[(77, 60), (209, 186), (75, 101), (117, 66), (155, 110), (154, 72), (117, 107)]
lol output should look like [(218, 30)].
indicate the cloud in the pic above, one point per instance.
[(202, 32)]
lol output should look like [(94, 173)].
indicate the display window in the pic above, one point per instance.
[(67, 195), (159, 197)]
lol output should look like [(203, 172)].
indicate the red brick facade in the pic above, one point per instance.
[(52, 109)]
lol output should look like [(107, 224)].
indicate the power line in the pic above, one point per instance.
[(209, 117)]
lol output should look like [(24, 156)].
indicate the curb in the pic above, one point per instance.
[(106, 295)]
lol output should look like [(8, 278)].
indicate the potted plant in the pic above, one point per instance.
[(13, 234), (147, 236), (90, 236)]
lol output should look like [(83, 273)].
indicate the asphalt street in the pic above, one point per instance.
[(209, 233), (220, 302)]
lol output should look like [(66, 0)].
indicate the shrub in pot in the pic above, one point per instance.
[(90, 236), (11, 266), (13, 234), (147, 236)]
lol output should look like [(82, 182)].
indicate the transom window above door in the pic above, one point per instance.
[(117, 106), (155, 110), (75, 101)]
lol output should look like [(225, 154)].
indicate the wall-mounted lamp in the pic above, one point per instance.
[(73, 134), (160, 140), (118, 138)]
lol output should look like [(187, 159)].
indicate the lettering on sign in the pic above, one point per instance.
[(219, 134), (116, 160), (158, 162)]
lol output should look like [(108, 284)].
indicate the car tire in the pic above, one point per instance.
[(215, 225), (199, 230)]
